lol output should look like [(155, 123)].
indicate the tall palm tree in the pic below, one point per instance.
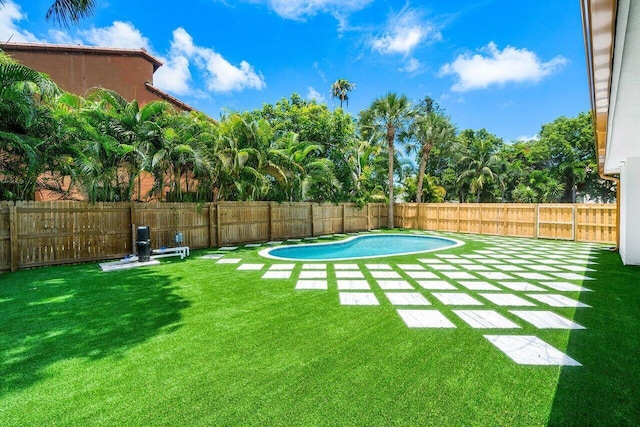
[(481, 162), (65, 12), (389, 113), (340, 89)]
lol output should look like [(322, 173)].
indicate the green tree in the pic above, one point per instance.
[(480, 162), (340, 89)]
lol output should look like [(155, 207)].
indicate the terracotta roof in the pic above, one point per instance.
[(169, 98), (92, 50)]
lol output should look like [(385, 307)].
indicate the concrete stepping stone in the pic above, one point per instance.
[(530, 350), (495, 275), (425, 319), (458, 275), (522, 286), (275, 242), (312, 284), (346, 266), (555, 300), (485, 319), (545, 319), (228, 248), (436, 285), (508, 267), (456, 298), (431, 261), (444, 267), (476, 267), (253, 245), (229, 261), (394, 284), (541, 267), (250, 267), (479, 286), (294, 240), (448, 256), (313, 274), (576, 268), (461, 261), (358, 298), (412, 267), (378, 266), (510, 300), (421, 275), (407, 298), (211, 256), (349, 274), (573, 276), (314, 266), (282, 267), (476, 257), (533, 276), (565, 287), (283, 274), (353, 285), (385, 275)]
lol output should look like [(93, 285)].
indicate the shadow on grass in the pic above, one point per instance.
[(604, 391), (55, 314)]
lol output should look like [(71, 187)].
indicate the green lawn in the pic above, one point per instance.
[(194, 342)]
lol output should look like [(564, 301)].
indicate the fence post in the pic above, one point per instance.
[(211, 225), (574, 220), (536, 220), (132, 215), (344, 218), (219, 226), (368, 216), (458, 219), (269, 221), (505, 212), (311, 215), (13, 237)]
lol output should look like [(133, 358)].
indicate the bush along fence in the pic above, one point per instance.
[(48, 233)]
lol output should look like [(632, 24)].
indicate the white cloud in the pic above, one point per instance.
[(525, 138), (119, 34), (493, 66), (10, 15), (405, 31), (63, 37), (219, 74), (174, 76), (314, 94), (412, 66), (300, 9)]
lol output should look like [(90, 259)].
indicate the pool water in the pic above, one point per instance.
[(367, 246)]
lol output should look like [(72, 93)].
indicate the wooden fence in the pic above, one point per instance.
[(578, 222), (47, 233)]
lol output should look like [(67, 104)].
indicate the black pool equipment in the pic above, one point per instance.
[(143, 243)]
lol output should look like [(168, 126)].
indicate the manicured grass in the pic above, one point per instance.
[(198, 343)]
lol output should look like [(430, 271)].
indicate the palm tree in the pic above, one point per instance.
[(481, 161), (65, 12), (340, 89), (389, 113)]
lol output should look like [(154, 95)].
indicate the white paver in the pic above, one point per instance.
[(349, 274), (456, 298), (282, 267), (522, 286), (314, 266), (533, 276), (385, 274), (555, 300), (573, 276), (461, 261), (346, 266), (253, 245), (294, 240), (444, 267), (421, 275), (565, 287), (378, 266), (545, 268), (458, 275), (425, 319), (211, 256), (312, 284), (478, 285), (431, 261), (275, 242), (394, 284), (407, 298), (530, 350), (436, 285), (448, 256), (229, 261), (228, 248), (510, 300), (509, 267), (250, 267), (476, 267), (546, 319), (576, 268), (353, 285), (358, 298), (407, 267), (495, 275), (284, 274), (313, 274), (485, 319)]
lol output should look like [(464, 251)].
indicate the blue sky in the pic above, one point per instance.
[(503, 65)]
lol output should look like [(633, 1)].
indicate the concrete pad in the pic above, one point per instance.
[(294, 240), (312, 284), (253, 245), (358, 298), (346, 266), (394, 284), (456, 298), (476, 267), (407, 298), (461, 261), (312, 274), (378, 266), (228, 248), (425, 319), (282, 267), (212, 256), (555, 300), (495, 275), (285, 274), (479, 286), (576, 268), (546, 319), (458, 275), (314, 266), (533, 276), (436, 285), (573, 276), (444, 267), (447, 256), (353, 285), (476, 257), (250, 267), (485, 319), (349, 274), (565, 287), (385, 275), (421, 275), (541, 267), (117, 265), (229, 261), (530, 350), (521, 286), (508, 300), (431, 261), (509, 267), (410, 267)]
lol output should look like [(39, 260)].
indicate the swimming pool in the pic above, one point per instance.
[(357, 247)]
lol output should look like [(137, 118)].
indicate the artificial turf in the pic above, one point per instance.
[(193, 342)]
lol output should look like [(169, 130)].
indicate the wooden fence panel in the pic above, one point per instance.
[(327, 219), (556, 222), (355, 218), (5, 236), (166, 219), (243, 222), (491, 219), (520, 220), (290, 220), (596, 223), (379, 215)]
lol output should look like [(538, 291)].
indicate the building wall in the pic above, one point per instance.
[(629, 208), (79, 72)]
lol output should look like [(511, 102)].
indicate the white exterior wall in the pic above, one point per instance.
[(630, 211)]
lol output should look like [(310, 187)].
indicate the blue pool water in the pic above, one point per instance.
[(368, 246)]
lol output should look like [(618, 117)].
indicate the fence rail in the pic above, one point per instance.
[(47, 233)]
